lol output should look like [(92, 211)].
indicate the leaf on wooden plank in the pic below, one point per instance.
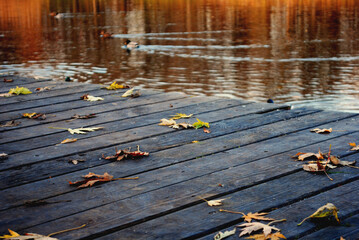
[(217, 202), (5, 95), (11, 123), (39, 116), (183, 125), (272, 236), (206, 130), (19, 90), (90, 98), (115, 86), (180, 115), (3, 156), (258, 216), (314, 167), (200, 124), (335, 160), (255, 226), (324, 211), (301, 156), (91, 179), (76, 161), (123, 154), (77, 116), (12, 234), (323, 131), (42, 89), (8, 80), (167, 122), (83, 130), (69, 140), (223, 235), (354, 146), (128, 93)]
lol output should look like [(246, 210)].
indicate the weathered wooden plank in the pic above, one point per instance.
[(19, 80), (22, 139), (348, 229), (149, 204), (169, 140), (58, 89), (110, 103), (176, 154), (200, 219)]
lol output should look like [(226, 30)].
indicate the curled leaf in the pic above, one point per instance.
[(91, 179), (324, 211), (90, 98), (69, 140), (222, 235), (324, 130), (128, 93), (40, 116), (123, 154)]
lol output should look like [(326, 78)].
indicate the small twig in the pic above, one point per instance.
[(277, 221), (223, 210), (202, 199), (66, 230)]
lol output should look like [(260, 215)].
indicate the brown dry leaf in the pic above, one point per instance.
[(257, 216), (123, 154), (77, 116), (11, 123), (8, 80), (222, 235), (34, 115), (42, 89), (354, 146), (69, 140), (272, 236), (314, 167), (301, 156), (324, 130), (324, 211), (206, 130), (255, 226), (91, 179)]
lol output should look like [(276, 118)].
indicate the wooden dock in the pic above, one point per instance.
[(245, 159)]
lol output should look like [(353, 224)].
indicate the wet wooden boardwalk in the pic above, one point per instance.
[(245, 159)]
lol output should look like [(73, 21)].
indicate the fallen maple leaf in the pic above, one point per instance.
[(69, 140), (272, 236), (91, 179), (115, 86), (324, 211), (249, 216), (12, 234), (40, 116), (180, 115), (354, 146), (90, 98), (324, 130), (19, 90), (301, 156), (83, 130), (222, 235), (200, 124), (11, 123), (123, 154), (255, 226), (167, 122)]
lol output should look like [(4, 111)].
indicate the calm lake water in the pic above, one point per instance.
[(303, 52)]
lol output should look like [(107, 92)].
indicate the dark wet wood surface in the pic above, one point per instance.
[(245, 159)]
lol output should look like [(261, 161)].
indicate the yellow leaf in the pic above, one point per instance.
[(28, 115), (222, 235), (200, 124), (195, 141), (69, 140), (12, 234), (180, 115), (115, 86), (324, 211), (19, 90), (128, 93), (354, 146)]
